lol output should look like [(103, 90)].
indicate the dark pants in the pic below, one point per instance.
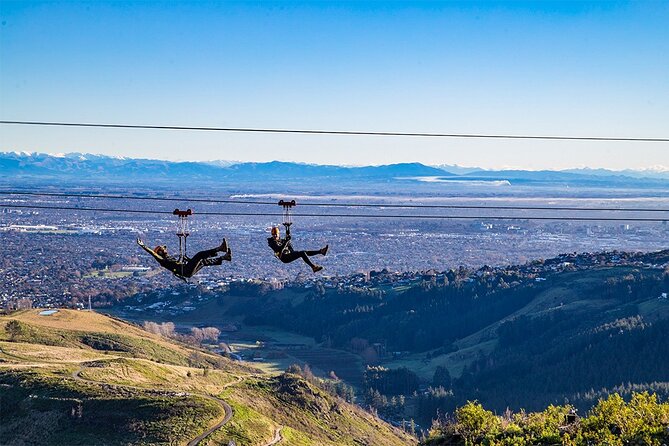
[(199, 260), (304, 255)]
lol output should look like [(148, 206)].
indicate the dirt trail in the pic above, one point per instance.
[(277, 437)]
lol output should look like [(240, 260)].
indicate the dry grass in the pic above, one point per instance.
[(144, 373), (91, 322), (313, 417), (316, 419), (20, 351), (74, 320)]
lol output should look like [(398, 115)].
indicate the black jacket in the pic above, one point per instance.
[(171, 264), (279, 246), (168, 262)]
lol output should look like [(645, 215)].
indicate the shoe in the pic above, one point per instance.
[(316, 268), (224, 245), (324, 250), (228, 255)]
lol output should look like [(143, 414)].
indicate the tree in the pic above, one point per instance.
[(166, 329), (473, 422), (197, 334), (441, 378), (308, 374), (14, 329), (211, 333), (295, 369)]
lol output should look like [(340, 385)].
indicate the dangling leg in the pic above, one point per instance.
[(323, 251), (228, 252), (289, 257), (204, 254), (224, 246), (305, 256), (197, 262)]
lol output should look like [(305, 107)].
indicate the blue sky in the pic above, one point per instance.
[(558, 68)]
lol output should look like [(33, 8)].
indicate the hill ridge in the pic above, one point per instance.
[(146, 392)]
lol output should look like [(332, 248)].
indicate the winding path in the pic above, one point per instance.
[(195, 441), (277, 437)]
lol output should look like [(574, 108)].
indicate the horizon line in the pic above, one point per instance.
[(649, 169)]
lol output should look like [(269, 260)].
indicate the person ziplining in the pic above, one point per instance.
[(283, 249), (184, 266)]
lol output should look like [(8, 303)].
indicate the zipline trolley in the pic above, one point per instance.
[(182, 232), (287, 212)]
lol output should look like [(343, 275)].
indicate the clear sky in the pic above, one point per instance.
[(539, 67)]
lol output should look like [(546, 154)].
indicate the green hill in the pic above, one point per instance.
[(571, 329), (81, 378)]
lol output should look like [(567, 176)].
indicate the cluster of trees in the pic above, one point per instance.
[(18, 304), (165, 329), (400, 381), (431, 403), (196, 337), (613, 422), (420, 319), (557, 357), (333, 385), (594, 333), (205, 334), (392, 408), (250, 288)]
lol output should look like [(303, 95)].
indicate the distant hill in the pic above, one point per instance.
[(100, 169), (574, 328), (75, 377), (582, 178), (76, 165), (658, 172)]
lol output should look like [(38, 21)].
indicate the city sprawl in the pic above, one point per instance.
[(54, 258)]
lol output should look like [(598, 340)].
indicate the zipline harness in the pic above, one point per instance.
[(182, 233)]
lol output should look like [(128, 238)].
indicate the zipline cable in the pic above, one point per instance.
[(396, 216), (352, 205), (332, 132)]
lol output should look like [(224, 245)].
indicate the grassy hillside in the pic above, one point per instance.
[(520, 336), (84, 378)]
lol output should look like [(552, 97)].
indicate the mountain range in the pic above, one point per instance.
[(105, 168)]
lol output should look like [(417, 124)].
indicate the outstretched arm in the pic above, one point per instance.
[(149, 250)]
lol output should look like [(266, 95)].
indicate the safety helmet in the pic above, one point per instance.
[(275, 230)]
